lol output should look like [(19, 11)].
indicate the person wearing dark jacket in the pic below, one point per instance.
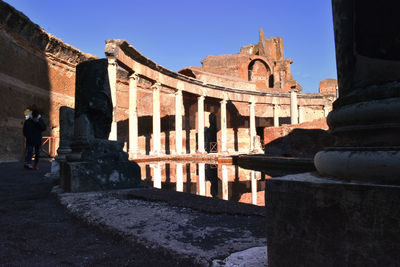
[(33, 128)]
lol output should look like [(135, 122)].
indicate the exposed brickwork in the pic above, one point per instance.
[(38, 70)]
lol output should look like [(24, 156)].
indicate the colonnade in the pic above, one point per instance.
[(296, 114)]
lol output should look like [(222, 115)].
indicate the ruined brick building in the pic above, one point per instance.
[(229, 101)]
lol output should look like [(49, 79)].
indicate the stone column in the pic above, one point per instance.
[(223, 126), (326, 111), (202, 179), (156, 119), (156, 175), (179, 177), (178, 121), (253, 187), (133, 116), (276, 115), (293, 107), (301, 114), (112, 77), (225, 183), (252, 129), (200, 124), (349, 211)]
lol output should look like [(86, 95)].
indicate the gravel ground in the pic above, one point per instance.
[(35, 230)]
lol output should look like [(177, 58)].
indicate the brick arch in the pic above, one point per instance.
[(261, 73)]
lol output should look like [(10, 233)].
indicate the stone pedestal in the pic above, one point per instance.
[(95, 163), (314, 221)]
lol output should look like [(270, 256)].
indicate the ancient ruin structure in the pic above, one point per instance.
[(155, 111), (348, 214), (95, 163), (261, 67)]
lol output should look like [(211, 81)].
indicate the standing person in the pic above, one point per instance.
[(33, 128)]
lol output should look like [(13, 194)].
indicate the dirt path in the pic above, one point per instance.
[(36, 231)]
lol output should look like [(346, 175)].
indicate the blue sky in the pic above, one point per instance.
[(177, 34)]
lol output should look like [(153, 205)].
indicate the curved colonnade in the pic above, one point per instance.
[(121, 55)]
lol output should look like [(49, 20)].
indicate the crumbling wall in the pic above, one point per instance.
[(37, 71)]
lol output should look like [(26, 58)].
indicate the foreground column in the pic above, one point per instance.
[(349, 214), (200, 120), (276, 115), (252, 129), (133, 117), (223, 126), (112, 77), (178, 121), (156, 119), (293, 107)]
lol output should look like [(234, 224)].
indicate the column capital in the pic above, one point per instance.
[(156, 86), (275, 106), (134, 76), (112, 61), (201, 97), (178, 92), (223, 101)]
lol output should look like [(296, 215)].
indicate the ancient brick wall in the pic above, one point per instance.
[(37, 71)]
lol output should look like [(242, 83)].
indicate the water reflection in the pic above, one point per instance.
[(228, 182)]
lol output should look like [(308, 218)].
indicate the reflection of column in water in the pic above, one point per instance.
[(157, 175), (202, 179), (253, 188), (224, 182), (179, 177)]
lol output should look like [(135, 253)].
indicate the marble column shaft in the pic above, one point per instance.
[(293, 107), (178, 121), (252, 129), (301, 114), (156, 119), (200, 120), (223, 126), (276, 115), (133, 116), (112, 76)]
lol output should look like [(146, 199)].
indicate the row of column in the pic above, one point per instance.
[(296, 114)]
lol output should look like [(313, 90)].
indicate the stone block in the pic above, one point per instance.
[(100, 175), (313, 221)]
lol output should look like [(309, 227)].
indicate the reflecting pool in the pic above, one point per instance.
[(228, 182)]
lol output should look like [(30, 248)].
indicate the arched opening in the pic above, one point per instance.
[(260, 73)]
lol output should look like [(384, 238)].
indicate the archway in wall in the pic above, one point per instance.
[(260, 73)]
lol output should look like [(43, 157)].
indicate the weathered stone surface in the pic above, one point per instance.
[(95, 163), (67, 119), (313, 221), (93, 104), (303, 143)]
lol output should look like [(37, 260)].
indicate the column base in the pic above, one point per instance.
[(314, 221), (367, 164)]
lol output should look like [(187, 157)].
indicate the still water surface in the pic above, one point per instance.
[(228, 182)]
